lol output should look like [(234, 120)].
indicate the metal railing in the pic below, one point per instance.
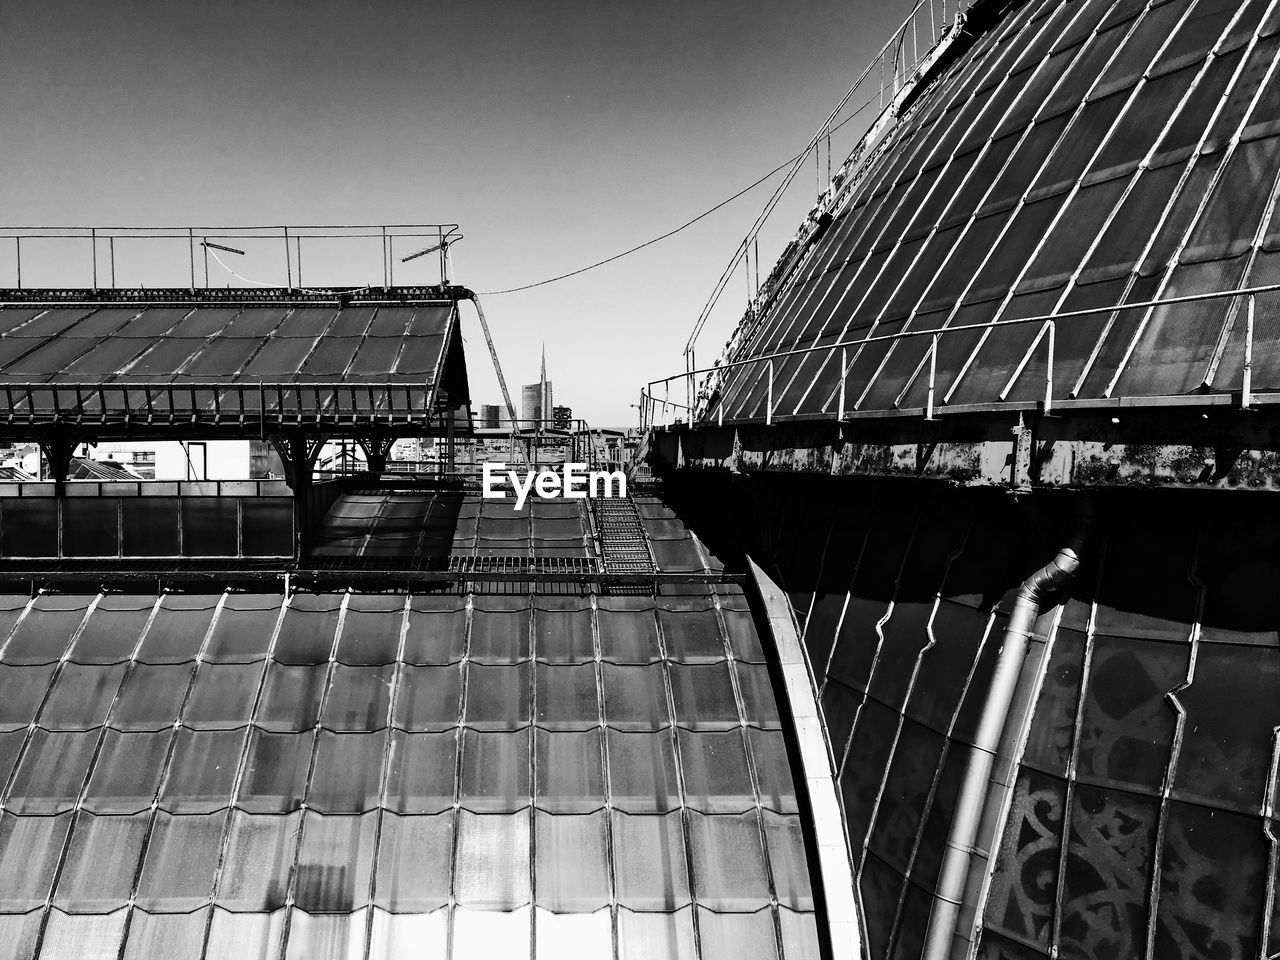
[(662, 411), (268, 255), (883, 85)]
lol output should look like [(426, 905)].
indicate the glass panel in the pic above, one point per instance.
[(437, 630), (127, 773), (499, 635), (348, 771), (359, 698), (573, 935), (703, 696), (642, 772), (22, 689), (179, 936), (46, 630), (492, 861), (275, 773), (308, 628), (495, 770), (52, 771), (259, 855), (83, 937), (737, 936), (427, 697), (692, 636), (408, 936), (112, 630), (152, 696), (773, 770), (81, 696), (223, 695), (497, 696), (371, 631), (483, 934), (634, 696), (181, 861), (716, 778), (30, 848), (202, 772), (787, 860), (728, 862), (572, 862), (656, 936), (628, 630), (178, 630), (569, 775), (649, 861), (758, 704), (252, 936), (421, 772), (326, 936), (414, 856), (101, 862), (562, 629), (291, 696), (335, 862), (566, 696), (244, 628)]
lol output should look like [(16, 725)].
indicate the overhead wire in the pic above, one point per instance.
[(688, 223)]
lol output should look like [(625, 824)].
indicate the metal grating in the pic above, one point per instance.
[(623, 544)]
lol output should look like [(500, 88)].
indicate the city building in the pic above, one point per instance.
[(561, 417), (536, 403)]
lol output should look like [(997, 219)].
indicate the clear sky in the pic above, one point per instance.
[(555, 133)]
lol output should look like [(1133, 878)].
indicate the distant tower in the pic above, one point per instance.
[(535, 398)]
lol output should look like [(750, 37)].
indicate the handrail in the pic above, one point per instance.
[(102, 240), (900, 60), (1049, 321)]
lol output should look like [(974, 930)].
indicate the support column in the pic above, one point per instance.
[(298, 456)]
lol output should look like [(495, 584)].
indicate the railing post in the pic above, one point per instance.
[(191, 254), (844, 370), (93, 246), (768, 401), (1246, 378), (288, 260), (933, 374), (1048, 371), (17, 243)]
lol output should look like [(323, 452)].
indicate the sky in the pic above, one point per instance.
[(554, 133)]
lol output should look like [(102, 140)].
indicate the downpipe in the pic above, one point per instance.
[(1035, 590)]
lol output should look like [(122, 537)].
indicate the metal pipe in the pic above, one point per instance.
[(1246, 377), (963, 834)]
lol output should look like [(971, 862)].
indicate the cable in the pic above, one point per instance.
[(684, 226)]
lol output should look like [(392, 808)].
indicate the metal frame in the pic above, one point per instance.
[(651, 405)]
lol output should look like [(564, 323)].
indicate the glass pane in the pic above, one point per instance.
[(566, 696), (253, 936), (202, 771), (113, 629), (427, 697), (30, 848), (308, 628), (737, 936), (178, 630), (152, 696), (635, 696), (52, 772), (656, 936), (437, 630), (83, 937), (223, 695), (181, 861), (371, 631), (716, 778), (81, 696), (421, 773), (127, 773), (562, 629), (244, 628), (498, 697), (291, 696), (642, 772), (692, 635), (573, 935), (628, 630), (22, 689), (569, 775), (335, 862), (649, 861), (176, 935), (499, 635), (703, 696), (259, 856), (408, 936), (414, 854), (275, 773), (347, 772), (483, 934), (46, 630), (572, 862), (101, 862), (492, 861), (728, 862), (773, 770), (495, 770)]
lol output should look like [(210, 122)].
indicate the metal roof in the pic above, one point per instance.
[(164, 362), (1076, 156)]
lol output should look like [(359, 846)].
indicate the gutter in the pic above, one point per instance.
[(943, 938)]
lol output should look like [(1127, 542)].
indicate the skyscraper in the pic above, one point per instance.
[(535, 398)]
